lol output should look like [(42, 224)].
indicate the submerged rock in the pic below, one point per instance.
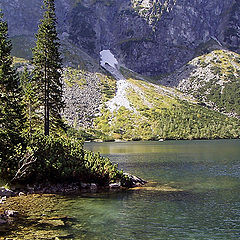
[(6, 192), (93, 186), (10, 213), (21, 194), (8, 217), (52, 222), (84, 185), (114, 185), (2, 221)]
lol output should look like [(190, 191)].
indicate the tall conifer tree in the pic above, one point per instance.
[(48, 67), (31, 102), (11, 107)]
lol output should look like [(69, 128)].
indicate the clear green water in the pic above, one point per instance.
[(209, 171), (208, 208)]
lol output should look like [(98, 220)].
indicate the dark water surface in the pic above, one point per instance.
[(208, 172)]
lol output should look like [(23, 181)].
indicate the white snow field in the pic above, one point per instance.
[(110, 63), (108, 57)]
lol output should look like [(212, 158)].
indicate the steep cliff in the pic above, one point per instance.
[(151, 37)]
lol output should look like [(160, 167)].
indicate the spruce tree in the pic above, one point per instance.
[(31, 102), (11, 107), (48, 67)]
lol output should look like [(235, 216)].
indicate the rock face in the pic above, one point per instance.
[(150, 37)]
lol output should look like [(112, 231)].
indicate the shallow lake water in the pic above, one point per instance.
[(208, 207)]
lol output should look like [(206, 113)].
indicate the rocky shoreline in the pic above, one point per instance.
[(8, 215)]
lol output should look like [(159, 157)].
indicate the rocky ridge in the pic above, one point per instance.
[(149, 37)]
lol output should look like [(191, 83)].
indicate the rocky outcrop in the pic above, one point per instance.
[(8, 216), (149, 37), (82, 100), (213, 79)]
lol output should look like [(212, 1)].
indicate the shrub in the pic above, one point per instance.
[(63, 159)]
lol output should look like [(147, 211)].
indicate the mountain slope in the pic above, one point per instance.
[(156, 112), (150, 37), (214, 79), (159, 112)]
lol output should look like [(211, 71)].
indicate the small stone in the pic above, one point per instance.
[(21, 194), (30, 189), (10, 213), (93, 186), (115, 185), (2, 221), (6, 192), (84, 185), (4, 198)]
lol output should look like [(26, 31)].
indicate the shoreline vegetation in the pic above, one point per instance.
[(156, 140)]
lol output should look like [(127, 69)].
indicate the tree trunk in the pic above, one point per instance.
[(46, 105)]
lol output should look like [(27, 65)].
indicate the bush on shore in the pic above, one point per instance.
[(59, 159)]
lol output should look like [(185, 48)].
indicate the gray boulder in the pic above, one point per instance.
[(6, 192)]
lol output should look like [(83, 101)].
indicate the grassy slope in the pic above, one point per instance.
[(164, 113)]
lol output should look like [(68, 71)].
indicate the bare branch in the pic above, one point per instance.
[(24, 165)]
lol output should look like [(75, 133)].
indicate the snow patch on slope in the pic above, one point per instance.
[(120, 99), (108, 58), (110, 63)]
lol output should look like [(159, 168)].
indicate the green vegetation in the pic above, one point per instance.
[(48, 67), (31, 103), (63, 159), (74, 76), (29, 153), (160, 114), (11, 107), (107, 86)]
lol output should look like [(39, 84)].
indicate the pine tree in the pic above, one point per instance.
[(48, 67), (11, 107), (31, 102)]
